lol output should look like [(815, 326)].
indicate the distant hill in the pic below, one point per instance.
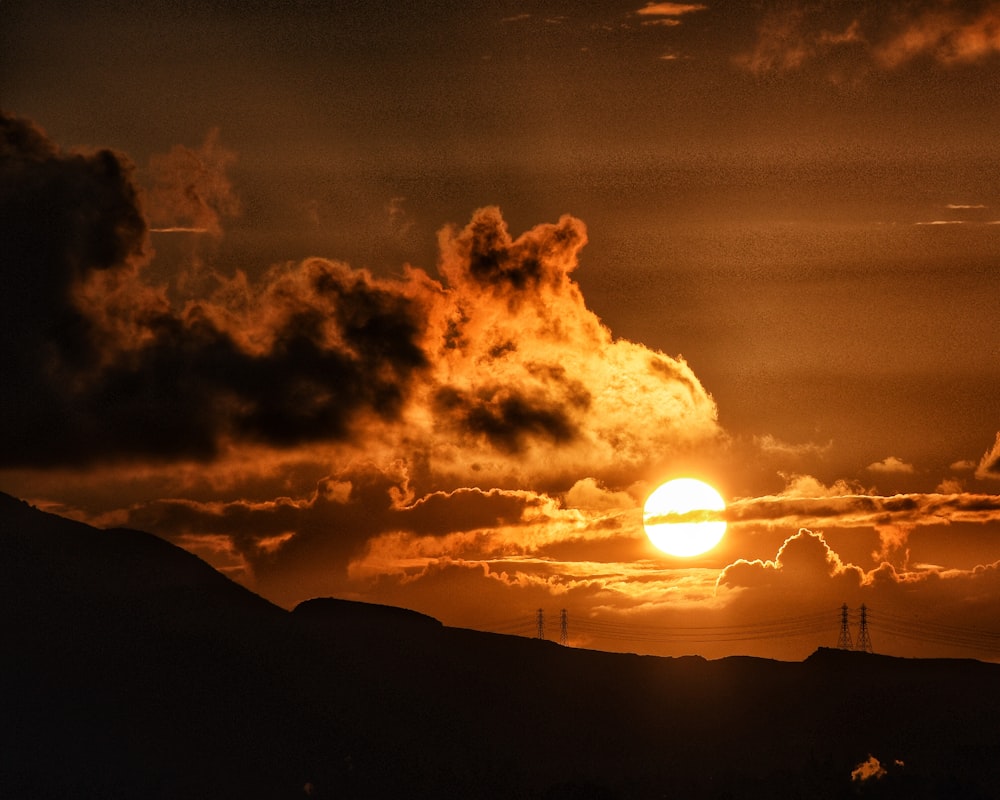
[(132, 669)]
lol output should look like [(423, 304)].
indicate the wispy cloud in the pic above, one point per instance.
[(883, 37), (949, 35), (808, 503), (667, 14), (772, 445), (989, 464), (669, 9)]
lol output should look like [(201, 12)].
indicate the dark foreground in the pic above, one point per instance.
[(131, 669)]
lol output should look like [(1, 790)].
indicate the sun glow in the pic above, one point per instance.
[(681, 519)]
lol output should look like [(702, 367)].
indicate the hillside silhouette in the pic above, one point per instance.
[(133, 669)]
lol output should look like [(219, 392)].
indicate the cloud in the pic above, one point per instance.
[(804, 557), (891, 466), (669, 9), (850, 42), (805, 501), (190, 189), (789, 38), (989, 464), (500, 361), (63, 218), (668, 15), (364, 523), (948, 35), (771, 445), (867, 770)]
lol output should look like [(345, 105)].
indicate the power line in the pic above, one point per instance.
[(816, 625)]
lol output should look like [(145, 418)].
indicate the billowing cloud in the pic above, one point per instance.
[(499, 362), (804, 557)]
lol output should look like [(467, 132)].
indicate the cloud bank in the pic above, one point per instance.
[(497, 362)]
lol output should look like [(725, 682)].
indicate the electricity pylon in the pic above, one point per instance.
[(563, 628), (844, 640), (541, 624), (864, 640)]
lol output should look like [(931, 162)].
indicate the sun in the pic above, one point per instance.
[(677, 497)]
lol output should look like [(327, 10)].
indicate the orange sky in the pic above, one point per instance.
[(417, 305)]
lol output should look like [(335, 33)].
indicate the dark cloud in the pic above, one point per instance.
[(484, 253), (101, 367), (507, 418), (278, 541), (62, 218)]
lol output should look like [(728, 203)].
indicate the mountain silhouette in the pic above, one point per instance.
[(133, 669)]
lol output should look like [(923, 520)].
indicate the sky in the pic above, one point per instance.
[(416, 303)]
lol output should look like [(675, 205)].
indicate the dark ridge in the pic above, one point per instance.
[(133, 669), (334, 611)]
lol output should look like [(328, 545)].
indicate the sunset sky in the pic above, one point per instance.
[(415, 303)]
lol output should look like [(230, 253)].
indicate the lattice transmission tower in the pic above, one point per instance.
[(563, 628), (540, 622), (864, 643), (844, 640)]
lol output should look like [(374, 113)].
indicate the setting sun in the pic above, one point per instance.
[(683, 497)]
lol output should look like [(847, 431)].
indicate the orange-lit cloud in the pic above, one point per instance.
[(787, 39), (947, 33), (888, 36), (866, 770), (989, 464), (891, 465), (807, 502), (667, 13), (480, 372), (803, 558), (771, 445)]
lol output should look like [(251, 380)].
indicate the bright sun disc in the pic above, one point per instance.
[(683, 496)]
